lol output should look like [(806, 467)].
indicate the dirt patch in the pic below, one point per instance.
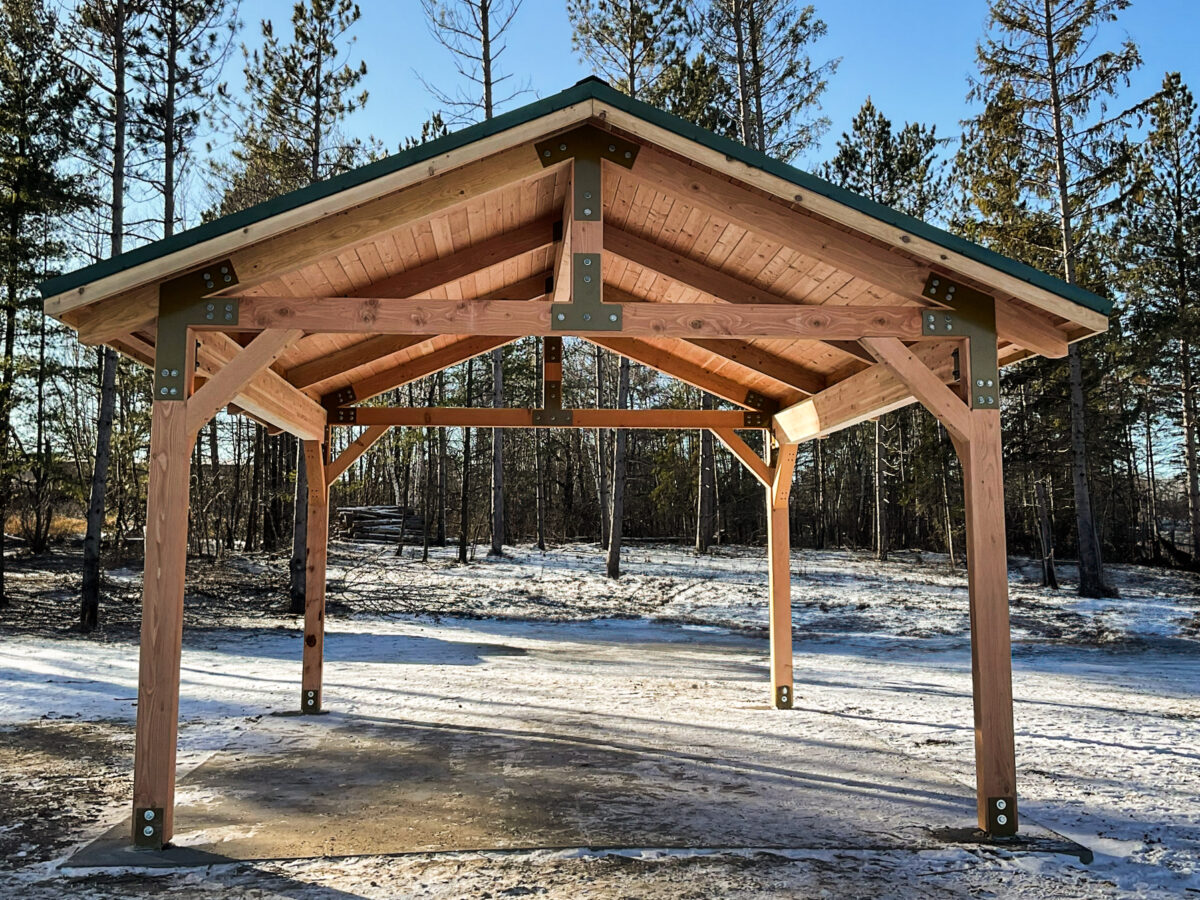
[(57, 781)]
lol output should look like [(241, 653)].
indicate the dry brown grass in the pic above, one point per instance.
[(61, 527)]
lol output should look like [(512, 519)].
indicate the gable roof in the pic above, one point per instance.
[(588, 89)]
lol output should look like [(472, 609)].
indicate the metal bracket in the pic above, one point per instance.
[(971, 314), (756, 419), (783, 697), (762, 403), (148, 824), (589, 147), (182, 305), (1002, 816), (310, 702), (342, 397), (553, 417), (343, 415)]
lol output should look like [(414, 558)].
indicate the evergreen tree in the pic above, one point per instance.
[(301, 92), (105, 37), (39, 101), (632, 44), (474, 33), (182, 51), (1047, 53), (900, 169), (1161, 250), (761, 48)]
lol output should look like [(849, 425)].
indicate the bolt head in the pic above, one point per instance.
[(224, 270), (148, 831), (935, 282), (312, 693), (210, 306), (587, 212), (1001, 804), (163, 392), (587, 317), (628, 155), (612, 317), (174, 373), (979, 383), (612, 148), (562, 146), (166, 372), (587, 195), (545, 153), (228, 278), (228, 317), (148, 815), (587, 260), (1002, 820), (208, 276), (991, 399), (989, 383), (208, 316), (979, 398), (561, 317)]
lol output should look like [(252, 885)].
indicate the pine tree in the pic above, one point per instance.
[(39, 100), (633, 44), (183, 48), (1047, 52), (105, 37), (1161, 249), (761, 48), (900, 169), (474, 33), (301, 92)]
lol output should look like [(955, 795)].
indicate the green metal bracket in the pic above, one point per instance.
[(552, 412), (969, 314), (589, 147), (1002, 816), (182, 305), (148, 827)]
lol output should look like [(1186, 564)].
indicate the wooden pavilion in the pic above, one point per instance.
[(587, 214)]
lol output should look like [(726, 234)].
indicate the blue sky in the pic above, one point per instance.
[(913, 59)]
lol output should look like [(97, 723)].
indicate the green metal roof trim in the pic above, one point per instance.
[(588, 89)]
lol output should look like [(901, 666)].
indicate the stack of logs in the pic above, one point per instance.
[(378, 523)]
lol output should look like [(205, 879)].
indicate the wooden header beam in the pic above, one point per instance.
[(347, 315), (471, 417)]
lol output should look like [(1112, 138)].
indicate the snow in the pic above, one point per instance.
[(1107, 698)]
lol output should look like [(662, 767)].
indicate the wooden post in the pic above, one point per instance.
[(314, 577), (991, 652), (779, 577), (976, 437), (162, 625)]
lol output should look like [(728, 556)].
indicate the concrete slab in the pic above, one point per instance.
[(601, 770)]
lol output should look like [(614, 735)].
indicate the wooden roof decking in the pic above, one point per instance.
[(476, 217)]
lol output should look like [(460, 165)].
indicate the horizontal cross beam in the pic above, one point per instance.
[(537, 318), (471, 417)]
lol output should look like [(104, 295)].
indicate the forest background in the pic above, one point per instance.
[(123, 121)]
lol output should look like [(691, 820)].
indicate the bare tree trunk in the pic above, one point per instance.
[(464, 521), (881, 531), (538, 460), (95, 514), (706, 489), (618, 482), (497, 548), (299, 560), (1091, 567), (1046, 537), (1190, 452), (1155, 551), (602, 455), (442, 439)]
